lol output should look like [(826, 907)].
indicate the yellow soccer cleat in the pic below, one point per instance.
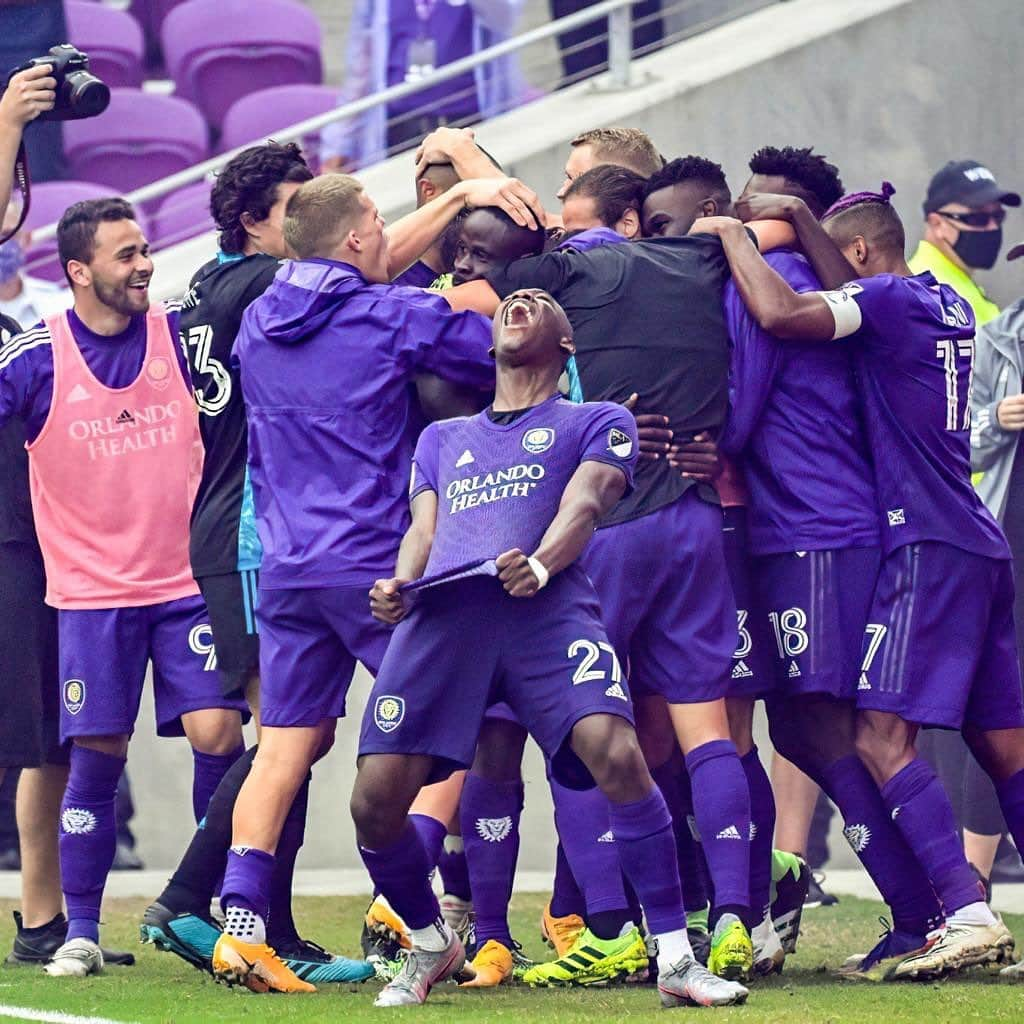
[(560, 933), (493, 965), (593, 961), (732, 952), (254, 965)]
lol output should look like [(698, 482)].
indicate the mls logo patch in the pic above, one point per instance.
[(620, 444), (74, 695), (538, 440), (388, 713)]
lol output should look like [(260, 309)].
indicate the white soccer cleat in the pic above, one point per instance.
[(769, 956), (1015, 972), (458, 915), (422, 970), (686, 983), (77, 958), (958, 946)]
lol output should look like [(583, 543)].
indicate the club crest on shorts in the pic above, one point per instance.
[(620, 444), (388, 713), (74, 695), (538, 440)]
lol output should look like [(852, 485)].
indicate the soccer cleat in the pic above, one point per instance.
[(956, 947), (816, 895), (732, 953), (892, 949), (686, 983), (77, 958), (560, 933), (521, 963), (698, 934), (383, 921), (791, 878), (1015, 972), (458, 913), (312, 963), (254, 965), (422, 970), (188, 935), (593, 961), (40, 946), (493, 965), (769, 956), (384, 941)]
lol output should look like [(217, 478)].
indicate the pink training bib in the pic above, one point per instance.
[(113, 475)]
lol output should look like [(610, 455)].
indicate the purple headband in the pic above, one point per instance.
[(856, 198)]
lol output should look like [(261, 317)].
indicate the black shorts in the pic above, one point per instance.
[(231, 601), (29, 673)]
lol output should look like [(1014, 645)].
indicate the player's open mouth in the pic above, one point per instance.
[(518, 313), (139, 285)]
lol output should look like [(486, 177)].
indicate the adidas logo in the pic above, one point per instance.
[(794, 670), (125, 417), (729, 832), (863, 684), (741, 671), (608, 837), (464, 459), (78, 394), (615, 690), (753, 831)]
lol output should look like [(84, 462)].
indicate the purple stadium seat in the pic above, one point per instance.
[(257, 116), (49, 201), (182, 214), (220, 50), (139, 138), (111, 38)]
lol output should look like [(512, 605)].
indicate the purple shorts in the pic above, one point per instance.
[(940, 647), (103, 656), (310, 641), (467, 644), (752, 669), (667, 600), (816, 604)]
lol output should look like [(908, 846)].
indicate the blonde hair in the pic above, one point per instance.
[(625, 147), (320, 213)]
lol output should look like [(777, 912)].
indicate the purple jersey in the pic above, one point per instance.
[(499, 485), (326, 361), (794, 419), (914, 345)]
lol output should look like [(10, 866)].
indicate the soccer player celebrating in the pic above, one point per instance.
[(930, 657), (114, 458), (538, 641)]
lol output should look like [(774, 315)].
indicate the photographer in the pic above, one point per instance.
[(29, 93)]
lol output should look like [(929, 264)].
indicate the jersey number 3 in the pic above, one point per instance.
[(214, 396)]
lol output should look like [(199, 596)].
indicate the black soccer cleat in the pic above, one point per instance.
[(40, 947)]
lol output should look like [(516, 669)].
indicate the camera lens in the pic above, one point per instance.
[(86, 95)]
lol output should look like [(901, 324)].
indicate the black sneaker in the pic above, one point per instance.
[(816, 895), (39, 947)]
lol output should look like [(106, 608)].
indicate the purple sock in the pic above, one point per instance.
[(1011, 800), (401, 873), (88, 837), (281, 929), (762, 829), (584, 828), (208, 770), (878, 842), (647, 850), (431, 833), (721, 804), (489, 814), (247, 880), (674, 784), (452, 868), (566, 898), (922, 812)]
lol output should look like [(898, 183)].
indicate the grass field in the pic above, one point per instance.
[(161, 989)]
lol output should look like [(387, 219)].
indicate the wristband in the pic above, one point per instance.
[(539, 571)]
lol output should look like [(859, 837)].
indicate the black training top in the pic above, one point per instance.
[(16, 524), (647, 317)]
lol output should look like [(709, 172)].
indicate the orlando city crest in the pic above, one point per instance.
[(388, 713), (538, 440), (74, 695)]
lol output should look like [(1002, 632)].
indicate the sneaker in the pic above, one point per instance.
[(769, 956), (957, 946), (422, 970), (254, 965), (459, 915), (493, 965), (699, 936), (686, 983), (186, 934), (892, 949), (76, 959), (560, 933), (593, 961), (816, 895), (732, 953), (314, 964), (791, 879), (40, 946)]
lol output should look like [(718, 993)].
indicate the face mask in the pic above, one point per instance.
[(12, 259), (979, 249)]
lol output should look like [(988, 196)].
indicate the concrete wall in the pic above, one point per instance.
[(887, 88)]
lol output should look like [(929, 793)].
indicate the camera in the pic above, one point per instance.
[(80, 93)]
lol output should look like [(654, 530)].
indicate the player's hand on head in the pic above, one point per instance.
[(697, 459), (1010, 413), (29, 93), (386, 602), (516, 575), (652, 431), (519, 201), (766, 206), (438, 146)]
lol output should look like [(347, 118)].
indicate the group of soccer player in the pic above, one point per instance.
[(604, 479)]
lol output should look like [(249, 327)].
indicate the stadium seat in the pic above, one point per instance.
[(220, 50), (112, 39), (139, 138), (255, 118), (49, 201), (182, 215)]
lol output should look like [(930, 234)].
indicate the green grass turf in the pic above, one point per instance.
[(161, 988)]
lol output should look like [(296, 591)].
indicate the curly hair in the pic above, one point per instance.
[(809, 170), (685, 169), (248, 184)]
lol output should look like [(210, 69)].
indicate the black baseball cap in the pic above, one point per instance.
[(967, 182)]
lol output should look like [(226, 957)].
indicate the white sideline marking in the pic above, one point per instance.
[(27, 1013)]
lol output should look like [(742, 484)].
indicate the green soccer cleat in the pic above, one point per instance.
[(732, 952), (593, 961), (791, 879)]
